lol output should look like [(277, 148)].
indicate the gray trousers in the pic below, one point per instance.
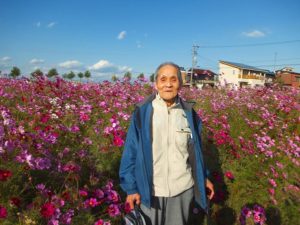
[(169, 210)]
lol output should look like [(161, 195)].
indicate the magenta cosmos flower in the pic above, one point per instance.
[(3, 212)]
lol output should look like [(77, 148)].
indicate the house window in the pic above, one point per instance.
[(298, 79)]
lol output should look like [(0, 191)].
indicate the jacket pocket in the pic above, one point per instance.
[(182, 136)]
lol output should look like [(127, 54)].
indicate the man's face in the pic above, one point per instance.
[(167, 83)]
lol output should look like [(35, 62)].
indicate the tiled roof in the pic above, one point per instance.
[(202, 71)]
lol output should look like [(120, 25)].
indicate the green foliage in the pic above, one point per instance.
[(141, 76), (128, 75), (37, 73), (15, 72), (114, 78), (71, 75), (52, 73), (80, 75), (152, 78), (87, 74)]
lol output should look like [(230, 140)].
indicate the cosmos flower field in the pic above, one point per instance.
[(61, 143)]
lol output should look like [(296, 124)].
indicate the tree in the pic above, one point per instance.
[(127, 76), (37, 73), (80, 75), (141, 76), (114, 78), (152, 77), (71, 75), (52, 72), (87, 74), (15, 72)]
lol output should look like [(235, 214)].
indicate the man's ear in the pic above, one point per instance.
[(155, 86)]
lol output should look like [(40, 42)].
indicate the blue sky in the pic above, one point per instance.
[(114, 36)]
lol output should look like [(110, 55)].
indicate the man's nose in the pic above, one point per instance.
[(168, 84)]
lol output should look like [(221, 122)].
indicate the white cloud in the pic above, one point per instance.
[(38, 24), (122, 35), (254, 34), (102, 64), (52, 24), (71, 64), (5, 59), (36, 61), (104, 67)]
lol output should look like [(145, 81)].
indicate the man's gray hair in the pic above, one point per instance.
[(169, 64)]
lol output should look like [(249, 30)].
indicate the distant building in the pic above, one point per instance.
[(183, 74), (288, 77), (239, 75), (201, 77)]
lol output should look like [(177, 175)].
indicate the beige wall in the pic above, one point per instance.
[(231, 75)]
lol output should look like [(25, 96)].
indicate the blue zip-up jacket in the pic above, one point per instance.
[(136, 169)]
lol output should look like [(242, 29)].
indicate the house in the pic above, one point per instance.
[(288, 77), (183, 74), (238, 75), (201, 77)]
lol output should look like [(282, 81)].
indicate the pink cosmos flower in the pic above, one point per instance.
[(47, 210), (71, 166), (127, 208), (112, 196), (5, 175), (99, 222), (113, 210), (271, 191), (272, 182), (83, 193), (75, 129), (14, 201), (102, 222), (99, 193), (84, 117), (279, 165), (118, 141), (92, 202), (3, 212), (45, 118), (229, 175), (42, 163), (67, 217)]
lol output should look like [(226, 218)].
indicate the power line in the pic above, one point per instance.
[(272, 60), (293, 64), (250, 45)]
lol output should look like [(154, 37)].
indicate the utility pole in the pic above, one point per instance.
[(194, 62)]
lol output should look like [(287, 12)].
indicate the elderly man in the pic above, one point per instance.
[(162, 167)]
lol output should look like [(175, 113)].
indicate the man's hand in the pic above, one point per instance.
[(133, 199), (210, 187)]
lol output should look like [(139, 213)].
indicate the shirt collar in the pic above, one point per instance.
[(176, 104)]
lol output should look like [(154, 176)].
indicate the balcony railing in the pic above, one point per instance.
[(251, 76)]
